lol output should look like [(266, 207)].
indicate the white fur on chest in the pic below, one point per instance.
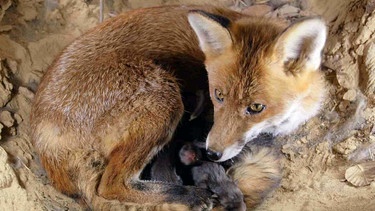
[(294, 116)]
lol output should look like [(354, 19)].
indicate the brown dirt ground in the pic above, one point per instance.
[(33, 32)]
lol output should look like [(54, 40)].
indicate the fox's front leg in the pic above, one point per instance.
[(148, 127)]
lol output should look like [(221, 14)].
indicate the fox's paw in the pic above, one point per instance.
[(195, 198), (200, 199)]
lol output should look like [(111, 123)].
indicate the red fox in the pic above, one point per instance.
[(112, 100)]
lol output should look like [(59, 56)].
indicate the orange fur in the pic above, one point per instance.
[(257, 173)]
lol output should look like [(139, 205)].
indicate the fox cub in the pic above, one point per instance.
[(112, 100)]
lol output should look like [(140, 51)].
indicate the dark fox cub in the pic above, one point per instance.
[(112, 100), (204, 174)]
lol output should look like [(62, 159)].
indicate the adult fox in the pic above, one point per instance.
[(112, 100)]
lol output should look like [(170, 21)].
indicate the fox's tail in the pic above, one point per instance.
[(257, 173)]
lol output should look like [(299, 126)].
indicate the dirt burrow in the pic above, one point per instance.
[(33, 32)]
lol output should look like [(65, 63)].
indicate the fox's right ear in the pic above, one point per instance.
[(211, 31), (302, 43)]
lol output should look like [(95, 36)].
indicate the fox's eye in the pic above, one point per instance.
[(255, 108), (219, 96)]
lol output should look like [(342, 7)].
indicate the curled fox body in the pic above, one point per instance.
[(112, 100)]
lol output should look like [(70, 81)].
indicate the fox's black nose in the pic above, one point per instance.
[(214, 156)]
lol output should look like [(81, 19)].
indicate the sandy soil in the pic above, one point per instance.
[(33, 32)]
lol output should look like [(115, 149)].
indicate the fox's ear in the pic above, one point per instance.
[(211, 31), (302, 44)]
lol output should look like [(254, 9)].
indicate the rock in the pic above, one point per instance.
[(51, 5), (369, 114), (350, 95), (5, 28), (5, 95), (348, 73), (372, 139), (44, 51), (6, 119), (5, 86), (305, 4), (304, 140), (257, 10), (353, 30), (17, 52), (361, 174), (288, 11), (134, 4), (369, 57), (18, 118), (12, 131), (307, 13), (343, 106), (1, 128), (261, 1), (346, 147), (12, 195), (7, 175), (21, 103), (278, 3), (26, 92), (4, 5), (28, 10), (12, 65)]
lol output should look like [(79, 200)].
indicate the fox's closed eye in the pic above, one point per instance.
[(254, 108)]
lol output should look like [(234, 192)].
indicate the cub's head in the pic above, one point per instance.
[(262, 78)]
